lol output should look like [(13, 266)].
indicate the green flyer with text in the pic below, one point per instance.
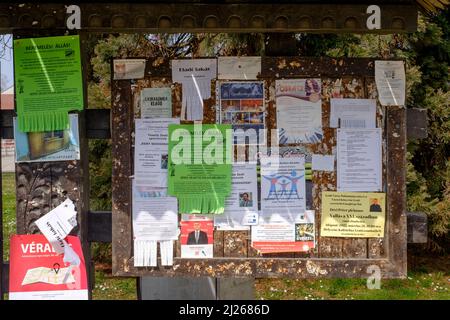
[(199, 169), (48, 82)]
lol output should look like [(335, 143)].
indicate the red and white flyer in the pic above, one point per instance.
[(197, 238), (37, 272)]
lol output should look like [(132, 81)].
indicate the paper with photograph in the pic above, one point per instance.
[(241, 104), (241, 207), (197, 238), (48, 146)]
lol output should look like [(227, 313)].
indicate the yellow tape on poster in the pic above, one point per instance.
[(353, 214)]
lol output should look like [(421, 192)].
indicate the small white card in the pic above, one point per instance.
[(322, 162)]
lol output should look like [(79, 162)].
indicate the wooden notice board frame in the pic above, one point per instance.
[(233, 255)]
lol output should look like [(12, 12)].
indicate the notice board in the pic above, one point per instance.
[(233, 255)]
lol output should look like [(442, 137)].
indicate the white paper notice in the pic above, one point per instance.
[(129, 69), (359, 160), (57, 224), (241, 207), (273, 232), (299, 110), (391, 81), (323, 162), (151, 150), (156, 103), (239, 68), (353, 113), (155, 219), (195, 76), (282, 189)]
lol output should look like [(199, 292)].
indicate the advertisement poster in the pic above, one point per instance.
[(242, 105), (62, 145), (391, 81), (129, 69), (280, 237), (241, 207), (353, 214), (156, 103), (195, 76), (299, 111), (48, 82), (199, 171), (37, 272), (197, 238), (359, 160), (353, 113), (151, 150), (282, 189)]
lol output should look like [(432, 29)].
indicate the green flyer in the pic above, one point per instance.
[(199, 169), (48, 82)]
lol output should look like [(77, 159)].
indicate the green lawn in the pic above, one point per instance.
[(429, 277)]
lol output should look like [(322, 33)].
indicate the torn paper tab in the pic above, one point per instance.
[(145, 254), (195, 76), (239, 68), (129, 69), (166, 248), (57, 224)]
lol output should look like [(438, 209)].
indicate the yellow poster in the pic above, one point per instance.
[(353, 214)]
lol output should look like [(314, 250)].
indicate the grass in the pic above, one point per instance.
[(429, 277)]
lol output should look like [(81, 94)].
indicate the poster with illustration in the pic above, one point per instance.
[(62, 145), (241, 104), (37, 272), (299, 111)]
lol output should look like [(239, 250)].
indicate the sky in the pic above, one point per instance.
[(7, 67)]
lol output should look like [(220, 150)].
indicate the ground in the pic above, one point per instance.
[(428, 278)]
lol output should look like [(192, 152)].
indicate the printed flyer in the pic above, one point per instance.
[(151, 150), (299, 111), (241, 207), (197, 238), (282, 189), (37, 272), (199, 171), (281, 237), (242, 105), (156, 103), (353, 214), (48, 82)]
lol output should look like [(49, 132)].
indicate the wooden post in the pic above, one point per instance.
[(42, 186)]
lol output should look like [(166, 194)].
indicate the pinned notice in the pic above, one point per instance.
[(129, 69), (391, 81), (353, 214), (239, 68)]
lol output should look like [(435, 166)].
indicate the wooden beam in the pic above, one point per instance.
[(204, 17)]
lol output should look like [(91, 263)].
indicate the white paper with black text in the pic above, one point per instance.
[(353, 113), (359, 165), (195, 76), (391, 82)]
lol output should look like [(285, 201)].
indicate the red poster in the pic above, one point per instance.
[(197, 238), (38, 273)]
